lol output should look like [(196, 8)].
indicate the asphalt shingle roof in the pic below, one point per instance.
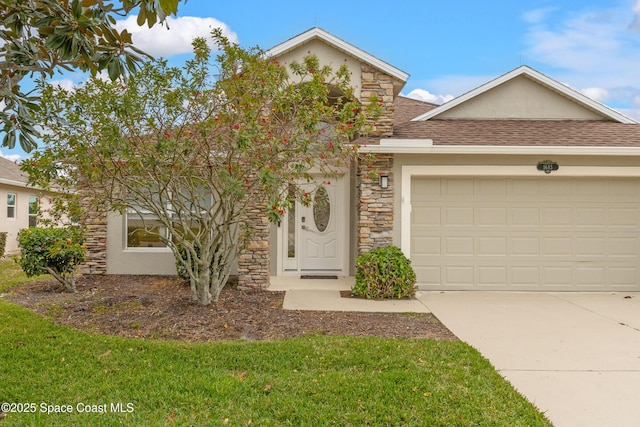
[(11, 171), (522, 132)]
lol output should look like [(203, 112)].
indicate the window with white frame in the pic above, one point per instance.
[(144, 230), (33, 210), (11, 205)]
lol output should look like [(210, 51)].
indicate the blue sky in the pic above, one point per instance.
[(447, 47)]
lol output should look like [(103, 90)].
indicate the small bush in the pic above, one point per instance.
[(57, 251), (3, 242), (182, 270), (384, 273)]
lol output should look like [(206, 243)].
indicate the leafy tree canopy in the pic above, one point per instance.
[(40, 37), (195, 147)]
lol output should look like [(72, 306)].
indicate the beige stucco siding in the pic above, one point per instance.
[(121, 260), (13, 225), (327, 55), (520, 98)]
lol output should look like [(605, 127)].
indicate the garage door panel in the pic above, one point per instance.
[(456, 246), (557, 246), (591, 247), (426, 216), (525, 216), (491, 246), (492, 276), (547, 233), (624, 277), (458, 187), (429, 245), (458, 216), (525, 276), (590, 276), (557, 216), (557, 276), (459, 275), (624, 217), (492, 216), (591, 217), (623, 247)]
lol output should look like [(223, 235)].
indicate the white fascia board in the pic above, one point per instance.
[(394, 142), (14, 183), (540, 78), (499, 149), (339, 44)]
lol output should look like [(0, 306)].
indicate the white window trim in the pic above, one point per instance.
[(15, 207)]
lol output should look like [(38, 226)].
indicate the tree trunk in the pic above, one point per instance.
[(202, 289)]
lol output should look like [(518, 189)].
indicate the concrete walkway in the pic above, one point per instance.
[(324, 295), (576, 356)]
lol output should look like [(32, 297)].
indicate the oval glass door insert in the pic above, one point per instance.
[(321, 209)]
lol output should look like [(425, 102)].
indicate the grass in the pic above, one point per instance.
[(307, 381), (11, 275)]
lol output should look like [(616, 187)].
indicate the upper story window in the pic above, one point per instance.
[(33, 210), (11, 205)]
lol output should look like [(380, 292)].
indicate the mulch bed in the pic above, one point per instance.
[(160, 307)]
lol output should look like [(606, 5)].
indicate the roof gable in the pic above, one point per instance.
[(524, 94), (317, 33)]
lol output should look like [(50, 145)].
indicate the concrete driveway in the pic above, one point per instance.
[(576, 356)]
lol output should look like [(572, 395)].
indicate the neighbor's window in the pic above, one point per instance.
[(144, 230), (11, 205), (33, 211)]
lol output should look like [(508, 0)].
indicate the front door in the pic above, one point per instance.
[(315, 237)]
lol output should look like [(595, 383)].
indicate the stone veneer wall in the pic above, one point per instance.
[(254, 261), (377, 83), (375, 204), (96, 243)]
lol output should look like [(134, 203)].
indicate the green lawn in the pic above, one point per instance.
[(303, 382), (11, 275)]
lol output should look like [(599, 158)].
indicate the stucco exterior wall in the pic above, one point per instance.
[(520, 98), (327, 55), (13, 225), (121, 260)]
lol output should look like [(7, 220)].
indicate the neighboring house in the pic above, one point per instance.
[(520, 184), (19, 203)]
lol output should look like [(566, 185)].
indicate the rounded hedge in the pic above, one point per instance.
[(384, 273)]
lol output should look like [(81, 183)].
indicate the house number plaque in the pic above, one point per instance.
[(548, 166)]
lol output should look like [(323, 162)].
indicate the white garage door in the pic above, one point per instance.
[(545, 233)]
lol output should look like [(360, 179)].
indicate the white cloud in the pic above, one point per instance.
[(595, 50), (12, 157), (176, 39), (596, 93), (537, 15), (425, 95), (66, 84)]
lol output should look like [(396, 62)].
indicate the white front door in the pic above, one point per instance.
[(315, 238)]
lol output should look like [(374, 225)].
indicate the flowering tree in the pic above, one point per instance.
[(193, 147)]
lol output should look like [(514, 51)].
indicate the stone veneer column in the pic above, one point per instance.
[(96, 242), (254, 261), (377, 83), (375, 204)]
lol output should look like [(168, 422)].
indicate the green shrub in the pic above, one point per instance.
[(57, 251), (182, 270), (3, 242), (384, 273)]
